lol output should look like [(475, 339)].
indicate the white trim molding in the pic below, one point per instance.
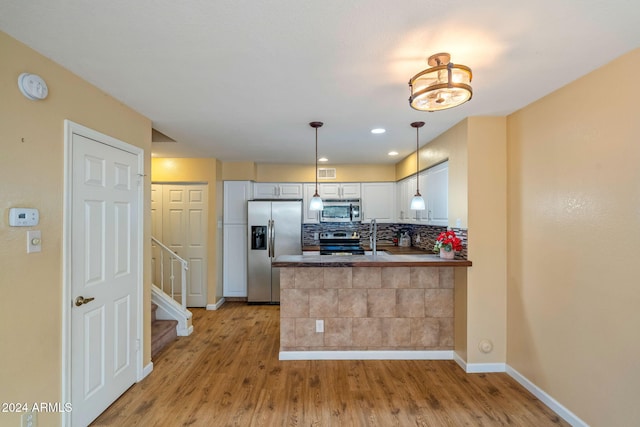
[(146, 371), (478, 368), (217, 305), (367, 355), (545, 398), (71, 128)]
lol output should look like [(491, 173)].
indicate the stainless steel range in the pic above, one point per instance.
[(340, 243)]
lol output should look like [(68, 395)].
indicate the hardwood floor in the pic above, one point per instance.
[(227, 373)]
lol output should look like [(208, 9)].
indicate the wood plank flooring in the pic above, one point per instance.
[(227, 373)]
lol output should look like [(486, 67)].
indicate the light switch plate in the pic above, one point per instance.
[(34, 241)]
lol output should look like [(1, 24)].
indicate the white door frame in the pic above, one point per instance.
[(71, 128)]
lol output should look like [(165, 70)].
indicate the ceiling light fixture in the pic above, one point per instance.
[(444, 85), (378, 130), (316, 202), (417, 202), (392, 153), (323, 159)]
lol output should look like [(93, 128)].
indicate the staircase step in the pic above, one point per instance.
[(163, 332)]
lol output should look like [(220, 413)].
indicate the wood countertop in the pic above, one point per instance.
[(380, 260)]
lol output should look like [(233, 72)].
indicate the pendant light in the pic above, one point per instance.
[(316, 201), (444, 85), (417, 202)]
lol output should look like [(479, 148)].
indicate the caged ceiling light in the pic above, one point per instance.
[(444, 85), (417, 202), (316, 202)]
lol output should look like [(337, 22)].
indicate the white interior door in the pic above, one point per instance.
[(105, 272), (184, 230), (156, 231)]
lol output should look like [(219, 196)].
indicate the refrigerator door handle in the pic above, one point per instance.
[(272, 254), (269, 238)]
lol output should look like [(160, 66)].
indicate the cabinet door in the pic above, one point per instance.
[(309, 216), (351, 190), (329, 191), (405, 191), (236, 194), (265, 190), (438, 194), (290, 191), (378, 201), (234, 269)]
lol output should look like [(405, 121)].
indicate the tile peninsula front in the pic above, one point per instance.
[(365, 303)]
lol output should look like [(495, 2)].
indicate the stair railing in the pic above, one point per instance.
[(167, 252)]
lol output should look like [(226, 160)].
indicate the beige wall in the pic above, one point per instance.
[(201, 170), (32, 175), (487, 238), (574, 227)]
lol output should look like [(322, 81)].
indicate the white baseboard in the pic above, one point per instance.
[(478, 368), (367, 355), (216, 305), (146, 370), (185, 332), (460, 361), (545, 398)]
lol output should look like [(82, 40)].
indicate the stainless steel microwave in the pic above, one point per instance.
[(340, 211)]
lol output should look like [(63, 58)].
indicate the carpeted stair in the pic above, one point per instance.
[(163, 332)]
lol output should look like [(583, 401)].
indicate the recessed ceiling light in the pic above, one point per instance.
[(378, 130), (392, 153), (323, 159)]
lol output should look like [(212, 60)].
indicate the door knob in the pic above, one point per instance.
[(82, 300)]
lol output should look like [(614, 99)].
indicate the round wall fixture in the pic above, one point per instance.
[(485, 346), (32, 86)]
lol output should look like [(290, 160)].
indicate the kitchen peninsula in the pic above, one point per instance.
[(366, 306)]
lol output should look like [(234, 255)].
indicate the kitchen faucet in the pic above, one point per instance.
[(373, 236)]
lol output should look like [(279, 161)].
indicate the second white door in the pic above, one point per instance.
[(179, 220)]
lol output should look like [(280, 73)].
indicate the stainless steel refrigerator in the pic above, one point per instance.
[(275, 228)]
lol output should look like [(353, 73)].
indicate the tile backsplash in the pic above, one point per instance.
[(422, 236)]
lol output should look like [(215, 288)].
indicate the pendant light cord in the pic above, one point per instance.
[(316, 161), (417, 162)]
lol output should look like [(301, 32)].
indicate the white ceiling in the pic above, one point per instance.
[(240, 80)]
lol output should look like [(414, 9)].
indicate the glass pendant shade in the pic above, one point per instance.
[(316, 203), (444, 85), (417, 202)]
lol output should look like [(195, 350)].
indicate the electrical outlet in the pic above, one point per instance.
[(29, 419), (319, 325)]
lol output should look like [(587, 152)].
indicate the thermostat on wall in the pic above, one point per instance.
[(23, 217)]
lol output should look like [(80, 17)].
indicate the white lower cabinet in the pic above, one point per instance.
[(378, 201), (234, 269)]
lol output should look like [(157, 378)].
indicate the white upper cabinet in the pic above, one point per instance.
[(378, 201), (437, 196), (405, 190), (335, 191), (277, 190), (434, 187), (309, 217), (236, 194)]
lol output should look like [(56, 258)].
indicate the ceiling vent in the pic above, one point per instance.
[(326, 173)]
